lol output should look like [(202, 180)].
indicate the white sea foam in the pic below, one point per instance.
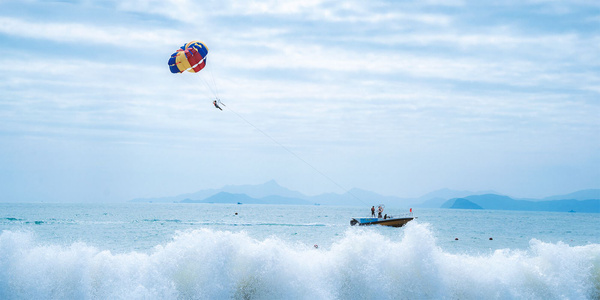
[(363, 264)]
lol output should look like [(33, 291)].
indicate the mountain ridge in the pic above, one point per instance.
[(499, 202), (271, 192), (233, 198)]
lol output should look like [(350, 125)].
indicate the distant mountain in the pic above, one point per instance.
[(224, 197), (446, 193), (436, 198), (463, 203), (579, 195), (491, 201), (498, 202), (270, 188), (179, 198), (272, 193), (230, 198)]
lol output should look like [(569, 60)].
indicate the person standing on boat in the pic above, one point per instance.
[(372, 211), (379, 211)]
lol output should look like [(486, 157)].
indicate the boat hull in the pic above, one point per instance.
[(393, 222)]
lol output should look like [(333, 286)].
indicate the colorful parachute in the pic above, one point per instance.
[(190, 57)]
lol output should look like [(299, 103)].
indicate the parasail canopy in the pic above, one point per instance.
[(190, 57)]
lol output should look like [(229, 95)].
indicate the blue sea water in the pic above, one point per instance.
[(207, 251)]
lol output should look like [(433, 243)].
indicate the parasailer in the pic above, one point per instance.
[(191, 57)]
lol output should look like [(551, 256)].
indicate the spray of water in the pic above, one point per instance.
[(210, 264)]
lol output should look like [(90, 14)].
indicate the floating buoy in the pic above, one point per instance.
[(236, 214), (316, 246), (456, 239), (491, 239)]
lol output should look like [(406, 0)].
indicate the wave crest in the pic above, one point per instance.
[(363, 264)]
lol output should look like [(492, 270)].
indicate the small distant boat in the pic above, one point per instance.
[(394, 222), (385, 221)]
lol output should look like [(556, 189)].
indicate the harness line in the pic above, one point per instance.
[(294, 154)]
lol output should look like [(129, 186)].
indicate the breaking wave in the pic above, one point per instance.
[(362, 264)]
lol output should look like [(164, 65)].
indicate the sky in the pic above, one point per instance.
[(396, 97)]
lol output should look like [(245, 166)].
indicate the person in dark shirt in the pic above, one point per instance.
[(217, 105)]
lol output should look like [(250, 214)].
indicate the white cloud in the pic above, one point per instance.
[(121, 36), (278, 7), (502, 70), (308, 10), (185, 11)]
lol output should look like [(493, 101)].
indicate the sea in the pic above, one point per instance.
[(222, 251)]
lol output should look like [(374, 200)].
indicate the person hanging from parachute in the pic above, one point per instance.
[(216, 105), (191, 57)]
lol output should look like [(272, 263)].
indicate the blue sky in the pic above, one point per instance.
[(397, 97)]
